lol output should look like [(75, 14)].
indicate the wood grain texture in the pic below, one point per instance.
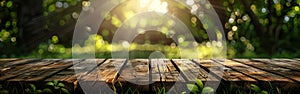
[(258, 74), (135, 74), (293, 62), (136, 71), (12, 72), (169, 77), (79, 69), (288, 64), (270, 68), (36, 73), (7, 63), (5, 60), (107, 72), (192, 71), (227, 74), (173, 75)]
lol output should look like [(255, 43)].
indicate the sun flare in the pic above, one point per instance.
[(154, 5)]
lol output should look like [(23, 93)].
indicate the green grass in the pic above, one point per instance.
[(55, 87)]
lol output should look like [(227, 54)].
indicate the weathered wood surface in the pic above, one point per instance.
[(150, 73), (282, 72), (227, 74), (257, 74), (192, 71)]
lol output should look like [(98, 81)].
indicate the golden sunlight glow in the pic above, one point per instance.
[(144, 3), (154, 5)]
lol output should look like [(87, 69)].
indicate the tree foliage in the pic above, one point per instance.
[(8, 25), (263, 28), (254, 28)]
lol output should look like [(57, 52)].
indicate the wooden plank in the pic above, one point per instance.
[(41, 73), (290, 61), (7, 60), (192, 71), (170, 73), (69, 76), (228, 74), (258, 74), (101, 78), (288, 73), (106, 72), (136, 71), (17, 62), (22, 69), (135, 74), (289, 64), (169, 76), (155, 77), (82, 68)]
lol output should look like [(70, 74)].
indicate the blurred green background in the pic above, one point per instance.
[(253, 29)]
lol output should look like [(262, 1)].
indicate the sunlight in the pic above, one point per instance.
[(154, 5), (144, 3), (125, 44)]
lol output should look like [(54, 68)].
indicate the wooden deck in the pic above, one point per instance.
[(282, 73)]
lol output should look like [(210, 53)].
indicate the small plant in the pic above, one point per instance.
[(115, 88), (58, 87), (257, 90), (2, 91), (33, 90), (199, 88), (273, 90), (130, 91), (160, 90)]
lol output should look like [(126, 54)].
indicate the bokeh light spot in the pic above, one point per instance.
[(9, 4), (115, 21), (231, 20), (86, 3), (54, 39), (234, 28), (296, 8), (193, 19)]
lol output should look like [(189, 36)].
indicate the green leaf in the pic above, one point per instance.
[(50, 84), (4, 92), (192, 87), (47, 90), (162, 91), (278, 90), (39, 91), (60, 85), (56, 87), (207, 90), (27, 90), (255, 88), (120, 84), (55, 82), (128, 90), (270, 85), (263, 92), (115, 89), (199, 83), (65, 90), (33, 87)]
